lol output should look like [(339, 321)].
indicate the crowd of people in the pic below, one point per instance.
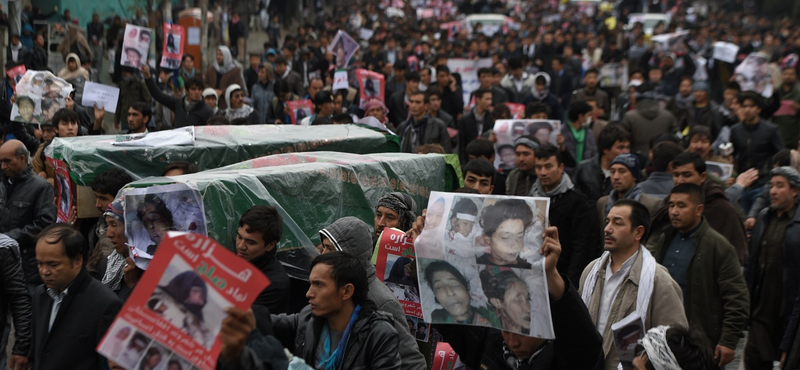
[(641, 223)]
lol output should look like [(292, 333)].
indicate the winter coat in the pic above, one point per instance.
[(26, 208), (14, 295), (197, 116), (589, 179), (550, 100), (262, 96), (716, 300), (294, 80), (754, 146), (468, 130), (482, 348), (589, 142), (516, 96), (666, 303), (77, 77), (645, 122), (354, 236), (276, 296), (233, 76), (570, 212), (434, 132)]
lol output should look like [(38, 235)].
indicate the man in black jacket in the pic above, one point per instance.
[(400, 101), (71, 311), (578, 345), (37, 58), (593, 175), (452, 98), (569, 212), (260, 229), (26, 205), (14, 298), (475, 122), (420, 129), (16, 53), (189, 111)]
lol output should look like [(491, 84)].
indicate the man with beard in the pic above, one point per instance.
[(397, 210)]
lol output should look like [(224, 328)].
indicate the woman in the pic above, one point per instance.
[(509, 294), (76, 43), (451, 290), (504, 225), (263, 93), (75, 74), (238, 110), (223, 73)]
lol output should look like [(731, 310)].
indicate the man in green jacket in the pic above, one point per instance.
[(705, 266)]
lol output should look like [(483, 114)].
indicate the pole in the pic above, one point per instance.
[(203, 32)]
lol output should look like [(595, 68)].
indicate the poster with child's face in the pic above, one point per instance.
[(38, 96), (478, 263), (135, 46), (507, 131), (173, 46)]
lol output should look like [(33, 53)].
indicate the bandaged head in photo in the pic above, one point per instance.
[(657, 348)]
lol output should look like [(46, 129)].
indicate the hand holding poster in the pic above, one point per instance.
[(506, 131), (173, 46), (177, 308), (452, 28), (39, 95), (105, 96), (135, 46), (460, 261), (343, 47), (299, 109), (372, 86)]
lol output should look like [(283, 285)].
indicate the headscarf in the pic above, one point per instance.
[(208, 92), (404, 205), (66, 74), (543, 94), (227, 61), (375, 103), (657, 349), (242, 112), (115, 261)]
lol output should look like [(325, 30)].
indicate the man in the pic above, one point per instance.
[(71, 311), (105, 187), (118, 272), (396, 210), (569, 212), (190, 110), (397, 81), (26, 205), (16, 53), (521, 179), (485, 79), (704, 110), (452, 98), (479, 175), (771, 276), (260, 229), (435, 108), (659, 182), (610, 285), (132, 89), (314, 86), (37, 59), (338, 312), (94, 32), (517, 81), (786, 100), (754, 141), (489, 348), (593, 175), (590, 90), (648, 119), (323, 108), (626, 172), (483, 148), (420, 129), (284, 72), (560, 82), (251, 74), (704, 265), (399, 103), (138, 115), (352, 235), (14, 299), (476, 121), (718, 211), (578, 137)]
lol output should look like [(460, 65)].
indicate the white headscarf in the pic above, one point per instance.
[(242, 112), (657, 349), (227, 61)]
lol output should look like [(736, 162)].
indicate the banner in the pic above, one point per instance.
[(300, 109), (506, 131), (135, 46), (753, 74), (38, 96), (343, 47), (372, 86), (614, 75), (172, 54), (64, 190), (475, 253), (175, 312), (468, 69), (395, 267)]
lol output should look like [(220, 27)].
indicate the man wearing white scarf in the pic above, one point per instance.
[(237, 109), (673, 348), (626, 281)]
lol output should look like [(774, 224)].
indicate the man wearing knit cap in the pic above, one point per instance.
[(396, 210), (626, 172), (772, 275), (210, 97), (520, 180)]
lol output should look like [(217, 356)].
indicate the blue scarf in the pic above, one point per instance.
[(635, 193), (333, 360)]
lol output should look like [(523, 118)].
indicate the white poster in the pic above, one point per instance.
[(725, 51), (104, 96), (753, 74)]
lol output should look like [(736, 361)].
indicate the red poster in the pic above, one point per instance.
[(452, 28), (16, 73), (446, 358), (372, 86), (176, 310), (172, 54), (300, 109), (64, 189), (517, 110), (396, 268)]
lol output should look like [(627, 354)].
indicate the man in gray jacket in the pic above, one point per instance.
[(647, 120)]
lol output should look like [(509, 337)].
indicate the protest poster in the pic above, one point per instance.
[(627, 333), (135, 46), (506, 131), (340, 80), (151, 212), (517, 110), (104, 96), (423, 13), (173, 46), (343, 47), (300, 109), (177, 308), (614, 75), (365, 33), (670, 43), (372, 86), (725, 51), (16, 73), (39, 95), (753, 74), (468, 69), (470, 245), (722, 170), (64, 190), (446, 358), (452, 28)]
